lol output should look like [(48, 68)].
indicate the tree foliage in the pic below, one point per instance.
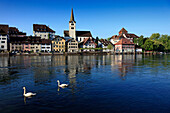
[(155, 42), (96, 41), (148, 45), (110, 46), (155, 36)]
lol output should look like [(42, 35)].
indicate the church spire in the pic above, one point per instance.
[(72, 16)]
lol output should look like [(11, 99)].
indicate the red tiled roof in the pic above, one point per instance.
[(123, 30), (113, 37), (42, 28), (131, 36), (117, 37), (79, 33), (88, 39), (124, 41)]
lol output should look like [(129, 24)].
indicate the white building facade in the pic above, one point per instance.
[(46, 45), (4, 38), (43, 31), (3, 42)]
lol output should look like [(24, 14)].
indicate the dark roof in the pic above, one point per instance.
[(124, 41), (57, 36), (4, 29), (45, 41), (105, 42), (42, 28), (15, 31), (79, 33), (71, 40), (14, 39), (25, 39)]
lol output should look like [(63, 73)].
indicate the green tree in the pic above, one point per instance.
[(165, 41), (155, 36), (148, 45), (139, 41), (110, 46), (96, 41), (48, 36)]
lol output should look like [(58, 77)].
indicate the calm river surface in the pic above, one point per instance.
[(97, 84)]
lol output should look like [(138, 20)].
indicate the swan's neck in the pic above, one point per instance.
[(58, 83), (24, 91)]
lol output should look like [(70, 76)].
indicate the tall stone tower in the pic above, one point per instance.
[(72, 26)]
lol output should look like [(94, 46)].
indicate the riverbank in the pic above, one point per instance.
[(76, 53)]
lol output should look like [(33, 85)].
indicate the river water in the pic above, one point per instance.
[(97, 84)]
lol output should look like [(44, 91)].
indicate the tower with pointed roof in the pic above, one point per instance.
[(72, 26)]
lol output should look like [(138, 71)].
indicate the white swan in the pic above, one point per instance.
[(28, 94), (61, 85)]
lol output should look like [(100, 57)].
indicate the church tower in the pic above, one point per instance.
[(72, 26)]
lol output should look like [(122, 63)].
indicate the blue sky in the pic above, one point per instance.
[(103, 18)]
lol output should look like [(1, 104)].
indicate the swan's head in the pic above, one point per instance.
[(57, 80), (23, 87)]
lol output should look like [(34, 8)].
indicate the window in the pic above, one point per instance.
[(59, 42), (62, 42), (2, 46), (3, 38), (72, 27), (44, 35), (72, 24), (2, 41)]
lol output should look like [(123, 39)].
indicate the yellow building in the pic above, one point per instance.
[(58, 44)]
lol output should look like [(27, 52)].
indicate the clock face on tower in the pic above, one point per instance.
[(72, 23)]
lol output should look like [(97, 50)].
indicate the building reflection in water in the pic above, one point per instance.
[(124, 63), (42, 69), (4, 71), (46, 68)]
